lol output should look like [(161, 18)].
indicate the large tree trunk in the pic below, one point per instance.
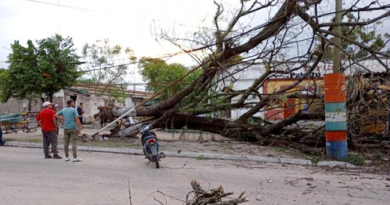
[(29, 106), (227, 128)]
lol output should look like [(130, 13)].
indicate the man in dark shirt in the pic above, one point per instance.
[(47, 119), (1, 136), (80, 111)]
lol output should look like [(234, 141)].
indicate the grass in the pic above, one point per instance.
[(377, 156), (208, 144), (280, 149), (313, 158), (356, 159), (113, 143), (200, 157), (31, 140), (227, 146), (8, 139), (34, 140)]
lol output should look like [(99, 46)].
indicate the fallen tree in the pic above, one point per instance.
[(292, 36)]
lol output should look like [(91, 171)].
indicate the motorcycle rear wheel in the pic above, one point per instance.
[(155, 158)]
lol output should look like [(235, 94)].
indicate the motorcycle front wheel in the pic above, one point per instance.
[(155, 158)]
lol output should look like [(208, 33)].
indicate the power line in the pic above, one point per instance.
[(59, 5), (169, 55), (84, 9), (7, 48), (108, 67)]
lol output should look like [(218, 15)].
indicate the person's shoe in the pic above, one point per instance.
[(67, 159), (77, 160), (48, 157), (2, 143), (57, 156)]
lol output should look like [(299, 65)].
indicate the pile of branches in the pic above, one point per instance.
[(309, 140), (214, 196), (368, 110)]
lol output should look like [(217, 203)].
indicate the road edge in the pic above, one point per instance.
[(194, 155)]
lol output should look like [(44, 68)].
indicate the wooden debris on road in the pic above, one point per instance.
[(86, 138), (214, 196)]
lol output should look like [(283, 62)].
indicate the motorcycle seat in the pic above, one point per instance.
[(145, 139)]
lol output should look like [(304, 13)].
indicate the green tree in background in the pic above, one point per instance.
[(44, 68), (106, 65), (159, 74), (4, 85), (366, 35)]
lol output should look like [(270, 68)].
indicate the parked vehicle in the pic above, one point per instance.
[(12, 123), (150, 145)]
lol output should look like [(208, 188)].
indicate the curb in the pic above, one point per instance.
[(194, 155)]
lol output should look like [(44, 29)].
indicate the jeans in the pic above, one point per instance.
[(70, 136), (50, 138)]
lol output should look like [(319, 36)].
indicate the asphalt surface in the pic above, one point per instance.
[(102, 178)]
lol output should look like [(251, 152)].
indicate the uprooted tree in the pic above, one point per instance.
[(282, 35)]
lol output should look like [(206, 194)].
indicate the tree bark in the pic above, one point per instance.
[(29, 105)]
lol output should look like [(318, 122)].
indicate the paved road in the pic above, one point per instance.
[(27, 178)]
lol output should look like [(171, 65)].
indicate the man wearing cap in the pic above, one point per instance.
[(47, 120), (72, 127)]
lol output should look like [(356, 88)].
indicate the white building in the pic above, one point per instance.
[(241, 77)]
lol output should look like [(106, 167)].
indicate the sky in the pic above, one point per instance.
[(128, 23)]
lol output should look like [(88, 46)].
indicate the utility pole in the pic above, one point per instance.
[(337, 29), (335, 98)]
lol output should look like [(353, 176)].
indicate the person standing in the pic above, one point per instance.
[(72, 127), (80, 111), (1, 137), (47, 119), (55, 109)]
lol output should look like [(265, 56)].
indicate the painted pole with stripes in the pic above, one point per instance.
[(335, 116), (335, 97)]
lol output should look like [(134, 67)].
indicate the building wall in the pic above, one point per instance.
[(18, 106), (243, 80), (92, 102), (247, 74), (288, 106)]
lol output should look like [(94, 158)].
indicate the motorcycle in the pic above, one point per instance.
[(150, 145)]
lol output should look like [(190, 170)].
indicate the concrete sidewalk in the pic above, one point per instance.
[(200, 156)]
